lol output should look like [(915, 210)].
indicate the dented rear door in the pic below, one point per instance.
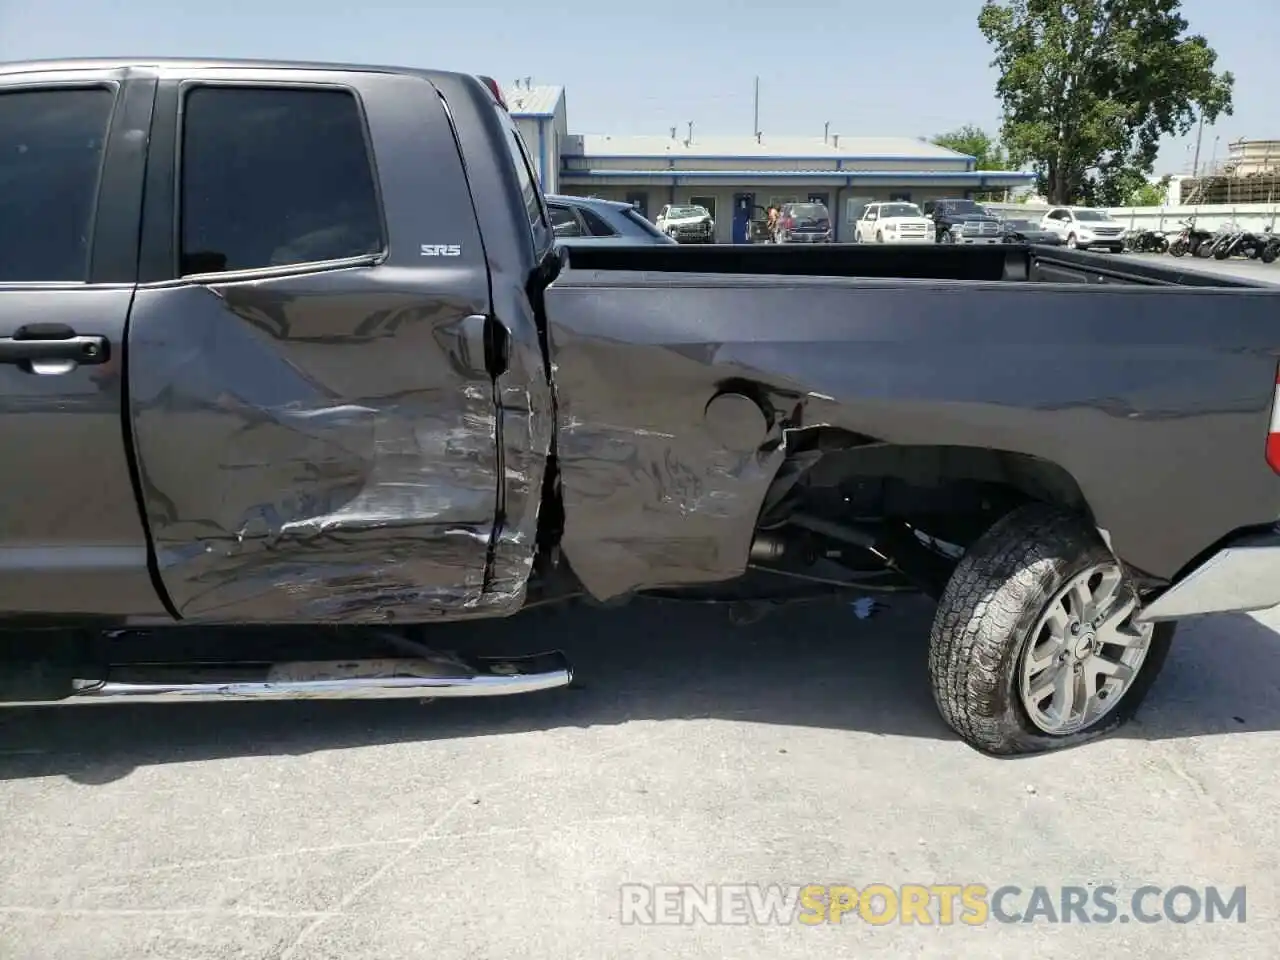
[(311, 412)]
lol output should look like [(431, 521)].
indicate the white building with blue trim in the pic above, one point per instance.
[(737, 177)]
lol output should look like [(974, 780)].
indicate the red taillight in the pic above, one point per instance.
[(496, 90), (1273, 432)]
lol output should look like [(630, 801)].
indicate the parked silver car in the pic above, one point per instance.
[(589, 220)]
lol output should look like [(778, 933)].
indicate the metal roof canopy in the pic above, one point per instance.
[(995, 177), (534, 101), (642, 147)]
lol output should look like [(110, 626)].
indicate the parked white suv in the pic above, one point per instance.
[(896, 222), (1085, 228), (686, 223)]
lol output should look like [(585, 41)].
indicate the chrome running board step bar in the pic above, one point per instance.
[(423, 677)]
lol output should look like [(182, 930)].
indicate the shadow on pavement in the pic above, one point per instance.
[(812, 666)]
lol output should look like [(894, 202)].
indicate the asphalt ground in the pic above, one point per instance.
[(1254, 270), (804, 749)]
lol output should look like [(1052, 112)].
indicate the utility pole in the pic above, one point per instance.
[(1271, 186), (755, 132), (1195, 164)]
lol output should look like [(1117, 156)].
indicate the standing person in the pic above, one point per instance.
[(773, 222)]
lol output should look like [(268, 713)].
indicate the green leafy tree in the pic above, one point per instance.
[(984, 148), (978, 144), (1149, 194), (1090, 87)]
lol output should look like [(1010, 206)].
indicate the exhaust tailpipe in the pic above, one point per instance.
[(437, 675)]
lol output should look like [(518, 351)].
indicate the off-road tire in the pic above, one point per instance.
[(987, 612)]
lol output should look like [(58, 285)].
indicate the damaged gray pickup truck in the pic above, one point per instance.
[(293, 344)]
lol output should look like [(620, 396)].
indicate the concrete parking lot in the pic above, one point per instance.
[(802, 749)]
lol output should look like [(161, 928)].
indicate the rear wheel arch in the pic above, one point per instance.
[(830, 457)]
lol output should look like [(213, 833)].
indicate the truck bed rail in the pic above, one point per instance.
[(1004, 262)]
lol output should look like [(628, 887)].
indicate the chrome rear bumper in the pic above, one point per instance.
[(1241, 577)]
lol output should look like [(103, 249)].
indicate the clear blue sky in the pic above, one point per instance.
[(645, 67)]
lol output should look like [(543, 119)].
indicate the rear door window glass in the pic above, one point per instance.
[(563, 222), (275, 177), (51, 148), (595, 223), (636, 217)]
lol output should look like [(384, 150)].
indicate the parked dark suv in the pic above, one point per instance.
[(803, 223)]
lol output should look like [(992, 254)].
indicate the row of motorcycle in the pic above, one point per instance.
[(1229, 240)]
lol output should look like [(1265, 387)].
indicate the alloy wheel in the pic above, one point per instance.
[(1084, 652)]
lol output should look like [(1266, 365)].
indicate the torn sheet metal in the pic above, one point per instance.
[(653, 496), (527, 422)]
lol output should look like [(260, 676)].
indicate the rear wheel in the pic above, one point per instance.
[(1033, 646), (1268, 255)]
